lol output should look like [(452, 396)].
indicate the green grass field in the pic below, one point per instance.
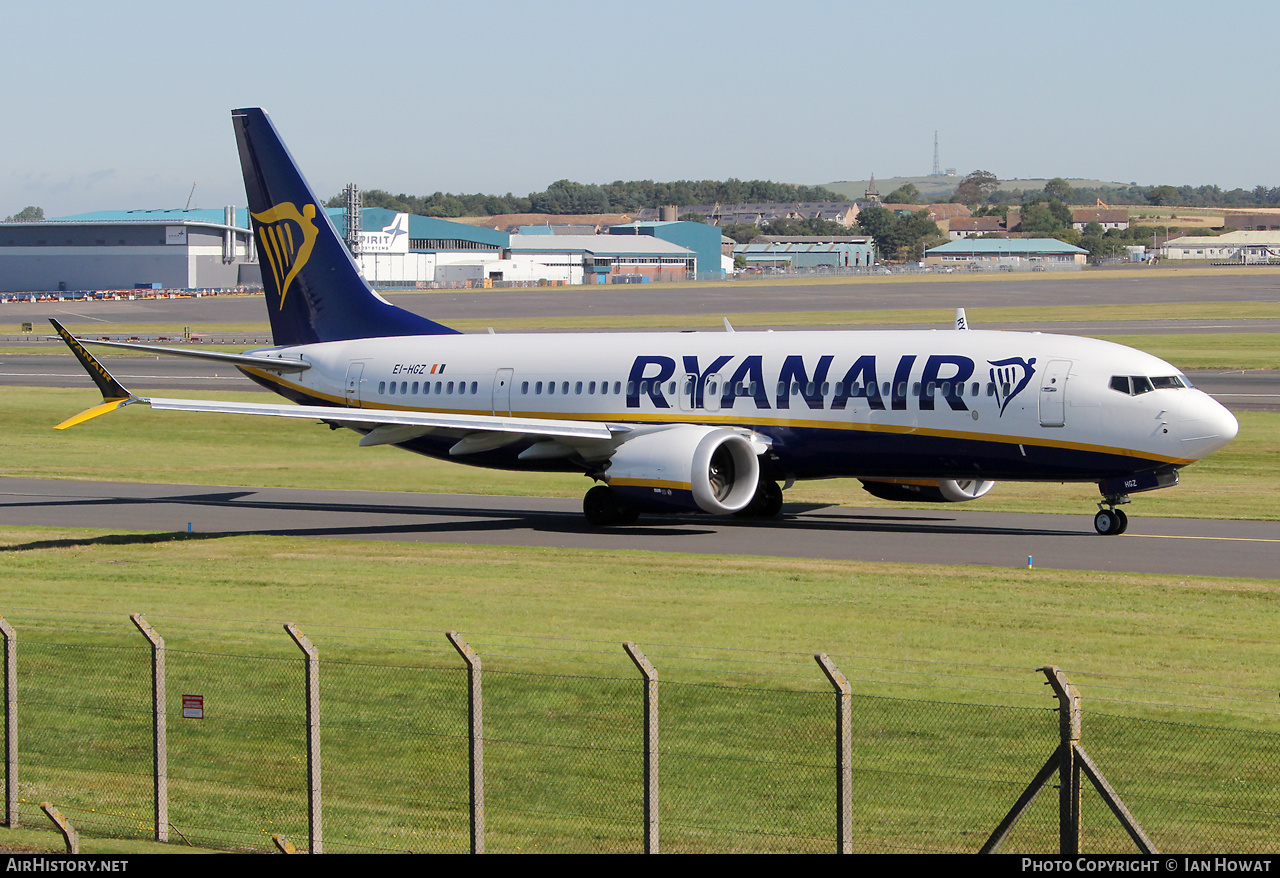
[(950, 717)]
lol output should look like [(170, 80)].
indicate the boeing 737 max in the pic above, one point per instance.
[(697, 422)]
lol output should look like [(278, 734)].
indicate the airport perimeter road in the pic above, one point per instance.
[(1188, 547), (1137, 286)]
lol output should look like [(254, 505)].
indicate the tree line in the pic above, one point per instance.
[(565, 197)]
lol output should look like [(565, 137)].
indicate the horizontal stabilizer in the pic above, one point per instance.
[(262, 361)]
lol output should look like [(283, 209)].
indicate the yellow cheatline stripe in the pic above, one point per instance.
[(650, 483), (109, 405), (636, 417), (1223, 539)]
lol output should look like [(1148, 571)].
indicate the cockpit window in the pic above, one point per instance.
[(1134, 385)]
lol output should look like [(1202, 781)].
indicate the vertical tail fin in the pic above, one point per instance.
[(314, 290)]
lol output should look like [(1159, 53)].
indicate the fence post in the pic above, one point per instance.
[(10, 723), (1068, 767), (650, 746), (844, 753), (312, 664), (475, 728), (159, 730)]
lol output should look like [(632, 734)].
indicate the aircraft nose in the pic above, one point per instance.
[(1205, 425)]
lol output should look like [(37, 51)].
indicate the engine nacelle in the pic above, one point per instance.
[(928, 490), (685, 469)]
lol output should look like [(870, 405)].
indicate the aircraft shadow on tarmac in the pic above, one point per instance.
[(796, 518)]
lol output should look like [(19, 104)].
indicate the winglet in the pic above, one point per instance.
[(961, 321), (114, 394)]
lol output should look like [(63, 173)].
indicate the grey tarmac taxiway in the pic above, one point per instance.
[(1191, 547)]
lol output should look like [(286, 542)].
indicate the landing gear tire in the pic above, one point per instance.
[(1110, 522), (602, 509), (766, 503)]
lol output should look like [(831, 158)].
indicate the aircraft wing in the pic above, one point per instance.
[(378, 417)]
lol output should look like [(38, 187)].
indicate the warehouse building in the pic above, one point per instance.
[(1007, 253), (129, 249), (1248, 248)]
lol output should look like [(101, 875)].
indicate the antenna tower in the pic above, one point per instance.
[(353, 219), (937, 169)]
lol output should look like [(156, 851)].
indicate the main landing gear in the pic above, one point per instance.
[(1111, 521), (766, 503), (602, 508)]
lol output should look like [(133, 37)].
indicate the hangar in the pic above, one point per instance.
[(127, 249)]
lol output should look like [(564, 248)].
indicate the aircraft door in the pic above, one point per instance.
[(687, 387), (355, 373), (502, 381), (1053, 394), (712, 388)]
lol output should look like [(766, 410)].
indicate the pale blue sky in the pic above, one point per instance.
[(124, 105)]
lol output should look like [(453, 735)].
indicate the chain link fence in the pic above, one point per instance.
[(544, 749)]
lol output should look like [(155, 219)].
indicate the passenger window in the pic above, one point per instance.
[(631, 388), (438, 385), (591, 388), (537, 388), (551, 387), (393, 388), (448, 388), (577, 388), (524, 388), (644, 387), (564, 387), (382, 387), (915, 389), (884, 391), (414, 388), (475, 386)]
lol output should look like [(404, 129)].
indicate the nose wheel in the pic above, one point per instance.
[(1111, 521)]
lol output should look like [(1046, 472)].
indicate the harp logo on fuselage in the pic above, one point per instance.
[(286, 237)]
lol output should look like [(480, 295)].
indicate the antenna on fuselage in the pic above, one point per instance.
[(961, 322)]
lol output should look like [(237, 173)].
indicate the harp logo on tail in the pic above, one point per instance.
[(286, 236), (1010, 377)]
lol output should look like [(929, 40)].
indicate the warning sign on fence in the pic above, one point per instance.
[(193, 707)]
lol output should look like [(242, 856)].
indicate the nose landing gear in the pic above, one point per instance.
[(1111, 521)]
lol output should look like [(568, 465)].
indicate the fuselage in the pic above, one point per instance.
[(890, 404)]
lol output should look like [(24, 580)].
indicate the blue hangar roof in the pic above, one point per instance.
[(1006, 247), (213, 215), (425, 228)]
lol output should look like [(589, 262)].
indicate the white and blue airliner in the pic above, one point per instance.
[(710, 422)]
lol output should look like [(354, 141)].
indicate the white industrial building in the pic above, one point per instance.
[(1242, 247)]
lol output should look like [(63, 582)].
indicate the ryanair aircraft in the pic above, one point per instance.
[(706, 422)]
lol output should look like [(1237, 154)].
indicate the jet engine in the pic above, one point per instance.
[(686, 469), (928, 490)]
